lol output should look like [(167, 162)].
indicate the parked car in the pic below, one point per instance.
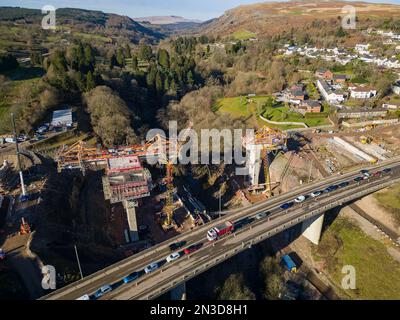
[(151, 267), (173, 256), (300, 199), (378, 174), (387, 170), (84, 297), (132, 277), (358, 179), (102, 291), (177, 245), (193, 248)]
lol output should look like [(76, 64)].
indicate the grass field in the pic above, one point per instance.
[(391, 201), (238, 107), (377, 273), (8, 92), (244, 35)]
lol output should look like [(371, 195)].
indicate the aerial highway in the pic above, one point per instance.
[(277, 214)]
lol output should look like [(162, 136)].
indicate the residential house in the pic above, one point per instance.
[(362, 48), (328, 94), (340, 78), (362, 93), (312, 106), (324, 74), (391, 105), (396, 88)]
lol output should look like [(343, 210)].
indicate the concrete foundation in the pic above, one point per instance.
[(131, 216), (179, 293), (312, 228)]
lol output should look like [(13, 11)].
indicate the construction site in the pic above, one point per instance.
[(111, 203)]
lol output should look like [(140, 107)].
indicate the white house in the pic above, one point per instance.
[(362, 48), (328, 94), (362, 93), (396, 88)]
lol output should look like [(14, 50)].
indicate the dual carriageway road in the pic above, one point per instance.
[(170, 275)]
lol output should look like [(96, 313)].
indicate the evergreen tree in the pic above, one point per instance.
[(163, 58), (120, 58), (128, 51), (90, 81), (159, 83), (145, 53), (134, 62)]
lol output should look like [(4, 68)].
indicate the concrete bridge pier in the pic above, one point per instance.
[(254, 163), (132, 222), (179, 293), (312, 228)]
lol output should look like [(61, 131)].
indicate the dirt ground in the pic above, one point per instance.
[(372, 207)]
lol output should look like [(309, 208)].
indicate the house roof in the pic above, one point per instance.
[(340, 76), (312, 103), (363, 89)]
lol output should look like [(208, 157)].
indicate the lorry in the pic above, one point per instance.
[(215, 233), (289, 263)]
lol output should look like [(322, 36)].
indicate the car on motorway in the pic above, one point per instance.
[(177, 245), (2, 254), (102, 291), (193, 248), (287, 205), (377, 174), (242, 222), (173, 256), (261, 215), (316, 194), (344, 184), (387, 170), (151, 267), (358, 179), (84, 297), (331, 188), (300, 199), (132, 277)]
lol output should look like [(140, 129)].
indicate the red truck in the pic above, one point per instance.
[(218, 231)]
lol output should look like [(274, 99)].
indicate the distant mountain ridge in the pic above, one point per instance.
[(267, 18), (161, 20), (82, 18)]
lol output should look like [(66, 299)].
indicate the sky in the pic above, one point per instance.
[(192, 9)]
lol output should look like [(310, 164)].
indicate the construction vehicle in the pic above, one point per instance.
[(366, 139), (25, 228)]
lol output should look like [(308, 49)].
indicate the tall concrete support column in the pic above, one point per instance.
[(254, 163), (312, 228), (179, 293), (131, 215)]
